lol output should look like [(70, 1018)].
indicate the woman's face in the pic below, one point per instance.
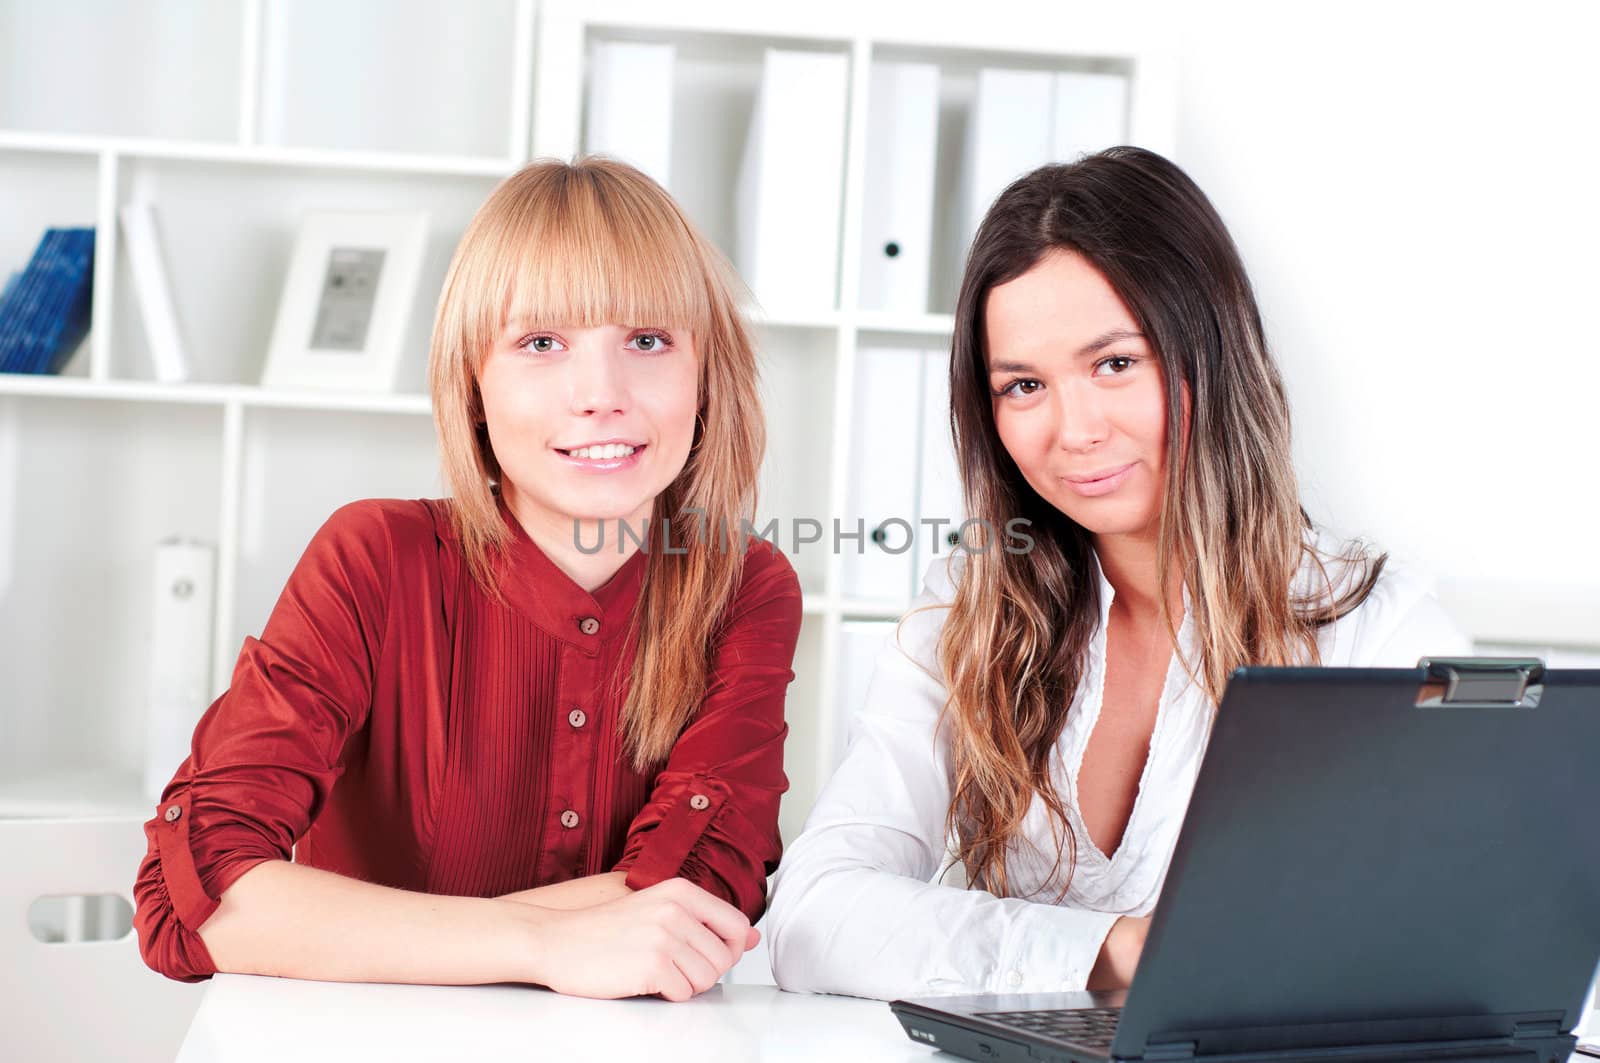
[(1078, 396), (589, 423)]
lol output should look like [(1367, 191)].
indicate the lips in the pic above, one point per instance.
[(608, 455), (1101, 482), (1095, 477)]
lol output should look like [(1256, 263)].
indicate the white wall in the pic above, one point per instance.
[(1414, 189)]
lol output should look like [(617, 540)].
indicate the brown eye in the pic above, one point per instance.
[(542, 344), (650, 342)]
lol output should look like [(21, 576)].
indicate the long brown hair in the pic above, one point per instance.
[(1013, 644), (584, 244)]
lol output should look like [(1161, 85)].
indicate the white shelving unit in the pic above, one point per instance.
[(298, 105)]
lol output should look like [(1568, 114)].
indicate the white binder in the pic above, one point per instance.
[(142, 239), (1011, 132), (860, 642), (791, 182), (897, 209), (630, 104), (939, 479), (180, 656), (1091, 113), (882, 491)]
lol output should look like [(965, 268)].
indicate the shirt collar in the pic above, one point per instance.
[(537, 587)]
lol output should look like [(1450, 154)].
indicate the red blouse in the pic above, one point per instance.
[(395, 724)]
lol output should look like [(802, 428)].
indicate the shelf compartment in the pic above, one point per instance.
[(122, 67), (227, 234), (59, 190), (416, 76), (86, 493)]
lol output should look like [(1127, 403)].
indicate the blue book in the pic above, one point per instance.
[(44, 292), (44, 319), (66, 316), (56, 330), (26, 302), (16, 307)]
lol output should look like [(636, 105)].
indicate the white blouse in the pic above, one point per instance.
[(860, 904)]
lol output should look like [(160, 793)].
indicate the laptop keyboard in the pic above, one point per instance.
[(1086, 1026)]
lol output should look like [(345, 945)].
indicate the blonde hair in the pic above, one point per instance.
[(583, 244), (1014, 640)]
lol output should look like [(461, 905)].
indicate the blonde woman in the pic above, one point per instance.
[(533, 732), (1048, 701)]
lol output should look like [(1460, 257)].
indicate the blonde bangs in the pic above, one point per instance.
[(586, 246)]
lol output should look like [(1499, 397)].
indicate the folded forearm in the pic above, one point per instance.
[(873, 933), (576, 893), (294, 921)]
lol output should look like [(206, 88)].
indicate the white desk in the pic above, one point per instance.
[(244, 1018), (275, 1020)]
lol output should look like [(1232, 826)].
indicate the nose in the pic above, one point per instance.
[(1081, 422), (595, 385)]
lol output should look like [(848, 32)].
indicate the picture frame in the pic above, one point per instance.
[(347, 297)]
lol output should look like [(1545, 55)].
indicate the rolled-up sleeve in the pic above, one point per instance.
[(267, 752), (712, 816)]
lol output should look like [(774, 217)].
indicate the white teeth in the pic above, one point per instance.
[(603, 452)]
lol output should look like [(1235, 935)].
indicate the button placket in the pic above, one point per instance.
[(570, 795)]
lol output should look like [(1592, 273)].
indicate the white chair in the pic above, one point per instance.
[(80, 1000)]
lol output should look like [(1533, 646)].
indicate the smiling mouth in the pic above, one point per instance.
[(602, 451)]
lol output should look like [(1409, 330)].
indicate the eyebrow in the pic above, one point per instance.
[(1094, 346)]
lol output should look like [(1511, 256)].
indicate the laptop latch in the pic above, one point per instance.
[(1481, 682), (1168, 1050)]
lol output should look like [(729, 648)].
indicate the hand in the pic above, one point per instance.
[(673, 938), (1119, 956)]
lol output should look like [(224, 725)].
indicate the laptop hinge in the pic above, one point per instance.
[(1529, 1031), (1168, 1051)]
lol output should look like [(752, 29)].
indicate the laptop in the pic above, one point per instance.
[(1377, 864)]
